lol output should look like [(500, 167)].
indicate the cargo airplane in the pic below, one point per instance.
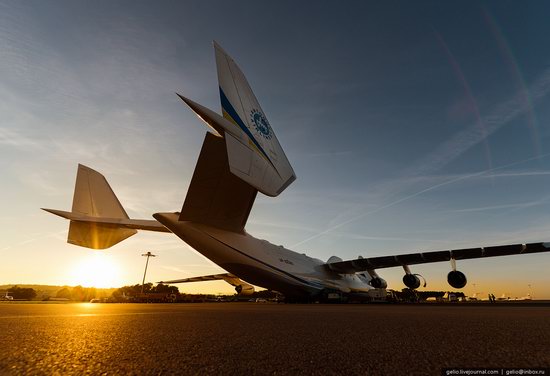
[(240, 157)]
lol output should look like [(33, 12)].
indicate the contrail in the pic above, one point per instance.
[(462, 141), (451, 181)]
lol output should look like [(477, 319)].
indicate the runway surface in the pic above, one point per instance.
[(281, 339)]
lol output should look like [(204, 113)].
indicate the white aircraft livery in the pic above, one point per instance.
[(240, 157)]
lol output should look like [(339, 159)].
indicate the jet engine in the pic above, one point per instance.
[(244, 289), (378, 283), (374, 279), (456, 279), (411, 281)]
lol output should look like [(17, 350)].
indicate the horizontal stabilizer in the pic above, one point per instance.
[(97, 236), (215, 123), (136, 224), (97, 219)]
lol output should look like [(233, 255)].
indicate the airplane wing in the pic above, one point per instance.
[(372, 263), (240, 286), (213, 277)]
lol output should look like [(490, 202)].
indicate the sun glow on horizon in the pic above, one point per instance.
[(96, 270)]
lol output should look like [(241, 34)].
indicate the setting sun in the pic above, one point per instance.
[(96, 270)]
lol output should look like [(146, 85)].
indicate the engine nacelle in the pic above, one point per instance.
[(456, 279), (411, 281), (378, 283), (244, 290)]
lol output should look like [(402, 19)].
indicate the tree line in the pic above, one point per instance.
[(24, 293), (148, 288), (85, 294)]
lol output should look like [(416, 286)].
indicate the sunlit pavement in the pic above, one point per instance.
[(249, 338)]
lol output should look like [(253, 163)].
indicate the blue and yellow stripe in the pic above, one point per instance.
[(231, 114)]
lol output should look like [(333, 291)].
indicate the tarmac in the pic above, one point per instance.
[(264, 338)]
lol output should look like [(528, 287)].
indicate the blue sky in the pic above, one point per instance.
[(411, 127)]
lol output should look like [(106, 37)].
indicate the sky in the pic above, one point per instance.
[(411, 126)]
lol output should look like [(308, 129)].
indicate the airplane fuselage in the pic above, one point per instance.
[(261, 263)]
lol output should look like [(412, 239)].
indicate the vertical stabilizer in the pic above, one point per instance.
[(261, 162), (216, 196), (93, 197)]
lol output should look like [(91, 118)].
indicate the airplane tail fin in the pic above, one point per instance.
[(94, 197), (96, 213), (254, 154), (239, 157), (256, 157)]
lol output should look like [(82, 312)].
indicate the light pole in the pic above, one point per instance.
[(148, 254)]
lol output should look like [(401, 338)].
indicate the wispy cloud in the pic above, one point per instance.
[(416, 194), (472, 135), (40, 180), (34, 238), (498, 207), (517, 174), (452, 149), (12, 137), (351, 235), (340, 153), (284, 226)]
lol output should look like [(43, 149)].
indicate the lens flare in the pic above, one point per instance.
[(517, 76)]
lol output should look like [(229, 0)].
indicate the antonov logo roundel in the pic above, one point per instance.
[(261, 124)]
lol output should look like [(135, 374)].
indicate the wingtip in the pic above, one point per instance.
[(219, 48), (59, 213), (199, 111), (84, 167), (186, 100)]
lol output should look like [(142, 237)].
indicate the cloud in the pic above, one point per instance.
[(450, 150), (331, 154), (284, 225), (517, 174), (36, 237), (402, 199), (350, 235), (17, 139), (498, 207), (472, 135), (40, 180)]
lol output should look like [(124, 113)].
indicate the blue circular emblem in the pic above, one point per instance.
[(261, 124)]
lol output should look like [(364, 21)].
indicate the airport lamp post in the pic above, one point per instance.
[(148, 254)]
